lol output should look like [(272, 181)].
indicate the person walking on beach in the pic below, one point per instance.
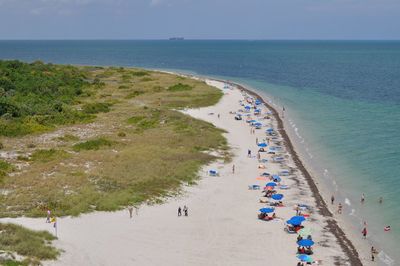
[(258, 156), (364, 232), (48, 216), (362, 198), (233, 169), (130, 209), (340, 208), (249, 153), (179, 211), (373, 252), (256, 141), (218, 116), (185, 210), (332, 199)]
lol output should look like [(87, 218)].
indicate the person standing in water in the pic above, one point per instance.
[(380, 200), (362, 198), (364, 232), (332, 199)]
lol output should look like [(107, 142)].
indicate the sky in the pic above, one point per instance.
[(200, 19)]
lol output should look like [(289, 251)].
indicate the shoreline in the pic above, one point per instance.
[(333, 226)]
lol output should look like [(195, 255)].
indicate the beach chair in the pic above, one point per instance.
[(254, 187), (213, 173)]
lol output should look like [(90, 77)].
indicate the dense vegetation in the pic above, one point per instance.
[(36, 96), (33, 245), (137, 148)]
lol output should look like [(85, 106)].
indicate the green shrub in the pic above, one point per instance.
[(146, 79), (134, 94), (94, 108), (5, 168), (140, 73), (121, 134), (68, 137), (48, 155), (94, 144), (180, 87)]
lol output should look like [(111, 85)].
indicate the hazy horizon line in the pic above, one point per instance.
[(191, 39)]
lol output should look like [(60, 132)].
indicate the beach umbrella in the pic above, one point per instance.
[(269, 130), (271, 184), (298, 218), (305, 243), (261, 178), (262, 145), (305, 258), (277, 196), (251, 121), (258, 124), (304, 232), (276, 178), (267, 210), (247, 107)]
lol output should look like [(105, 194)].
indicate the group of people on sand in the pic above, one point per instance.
[(185, 211)]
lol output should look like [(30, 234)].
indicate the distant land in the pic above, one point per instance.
[(176, 39)]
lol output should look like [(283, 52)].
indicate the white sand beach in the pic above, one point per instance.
[(222, 227)]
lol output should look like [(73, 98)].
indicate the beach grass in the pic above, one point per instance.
[(140, 149), (32, 245)]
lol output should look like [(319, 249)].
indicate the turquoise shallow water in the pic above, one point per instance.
[(343, 97)]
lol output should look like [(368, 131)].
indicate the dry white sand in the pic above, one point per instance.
[(222, 227)]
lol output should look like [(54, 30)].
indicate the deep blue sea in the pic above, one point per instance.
[(342, 100)]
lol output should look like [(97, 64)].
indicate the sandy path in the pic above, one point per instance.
[(222, 227)]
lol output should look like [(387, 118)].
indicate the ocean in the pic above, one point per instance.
[(342, 101)]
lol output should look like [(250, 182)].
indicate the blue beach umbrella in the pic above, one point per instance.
[(258, 124), (271, 184), (305, 258), (251, 121), (247, 107), (277, 196), (267, 210), (262, 145), (269, 130), (276, 178), (298, 218), (305, 243)]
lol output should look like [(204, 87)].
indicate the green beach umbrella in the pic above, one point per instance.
[(304, 232)]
